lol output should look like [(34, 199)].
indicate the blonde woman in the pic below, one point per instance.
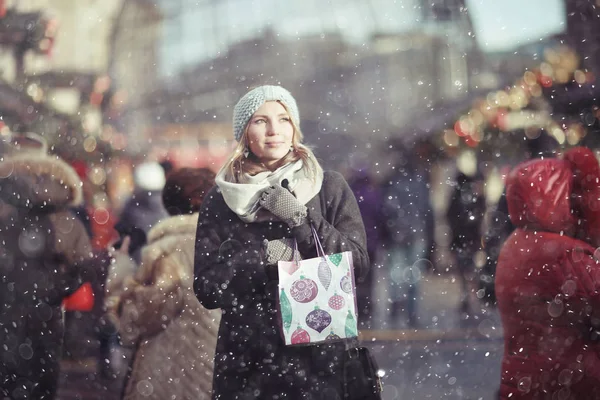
[(269, 193)]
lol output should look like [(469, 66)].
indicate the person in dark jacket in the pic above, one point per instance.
[(370, 197), (548, 280), (269, 194), (465, 215), (144, 209), (406, 209), (42, 249)]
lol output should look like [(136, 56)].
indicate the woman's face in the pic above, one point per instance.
[(270, 133)]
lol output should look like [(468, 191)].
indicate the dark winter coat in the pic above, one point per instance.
[(465, 214), (42, 248), (406, 209), (548, 287), (140, 213), (251, 360)]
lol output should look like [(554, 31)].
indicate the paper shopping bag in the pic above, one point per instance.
[(317, 299)]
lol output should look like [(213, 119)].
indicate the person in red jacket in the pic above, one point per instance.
[(548, 280)]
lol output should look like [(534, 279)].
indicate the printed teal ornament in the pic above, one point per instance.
[(324, 273), (351, 326), (300, 336), (336, 259), (318, 319), (286, 310)]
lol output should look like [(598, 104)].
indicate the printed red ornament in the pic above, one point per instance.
[(304, 290), (300, 336), (336, 302)]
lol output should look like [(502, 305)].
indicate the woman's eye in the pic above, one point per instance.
[(259, 121), (285, 119)]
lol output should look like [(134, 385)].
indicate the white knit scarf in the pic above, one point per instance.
[(242, 197)]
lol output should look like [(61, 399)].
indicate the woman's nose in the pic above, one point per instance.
[(271, 129)]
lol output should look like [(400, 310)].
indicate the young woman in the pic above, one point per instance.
[(270, 193)]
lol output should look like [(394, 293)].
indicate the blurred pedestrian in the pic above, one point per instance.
[(269, 194), (144, 208), (369, 195), (465, 215), (44, 246), (158, 313), (405, 209), (548, 280)]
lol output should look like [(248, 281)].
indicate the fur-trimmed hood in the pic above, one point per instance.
[(39, 181), (172, 236), (175, 225)]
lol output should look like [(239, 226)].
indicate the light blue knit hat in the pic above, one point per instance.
[(251, 101)]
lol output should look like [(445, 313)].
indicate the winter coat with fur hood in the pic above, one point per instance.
[(548, 280), (43, 247), (175, 335)]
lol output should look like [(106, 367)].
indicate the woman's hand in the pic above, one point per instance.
[(280, 250), (282, 204)]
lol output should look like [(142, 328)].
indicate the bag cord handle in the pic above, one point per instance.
[(317, 242)]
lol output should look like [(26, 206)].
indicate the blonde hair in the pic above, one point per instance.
[(238, 164)]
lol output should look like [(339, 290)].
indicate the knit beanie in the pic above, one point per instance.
[(149, 176), (251, 101)]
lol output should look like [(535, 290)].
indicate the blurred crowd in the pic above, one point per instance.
[(137, 256)]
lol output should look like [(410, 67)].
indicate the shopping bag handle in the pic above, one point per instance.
[(296, 253), (320, 251), (317, 241)]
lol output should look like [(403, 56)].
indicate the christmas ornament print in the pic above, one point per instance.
[(332, 336), (324, 273), (346, 283), (336, 259), (318, 319), (304, 290), (336, 302), (350, 325), (300, 336), (286, 310)]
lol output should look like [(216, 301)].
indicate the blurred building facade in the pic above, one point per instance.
[(357, 92), (133, 68), (583, 31), (68, 68)]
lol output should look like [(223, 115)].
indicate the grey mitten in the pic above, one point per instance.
[(282, 204), (280, 250)]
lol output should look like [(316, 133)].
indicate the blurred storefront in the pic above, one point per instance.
[(74, 72)]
